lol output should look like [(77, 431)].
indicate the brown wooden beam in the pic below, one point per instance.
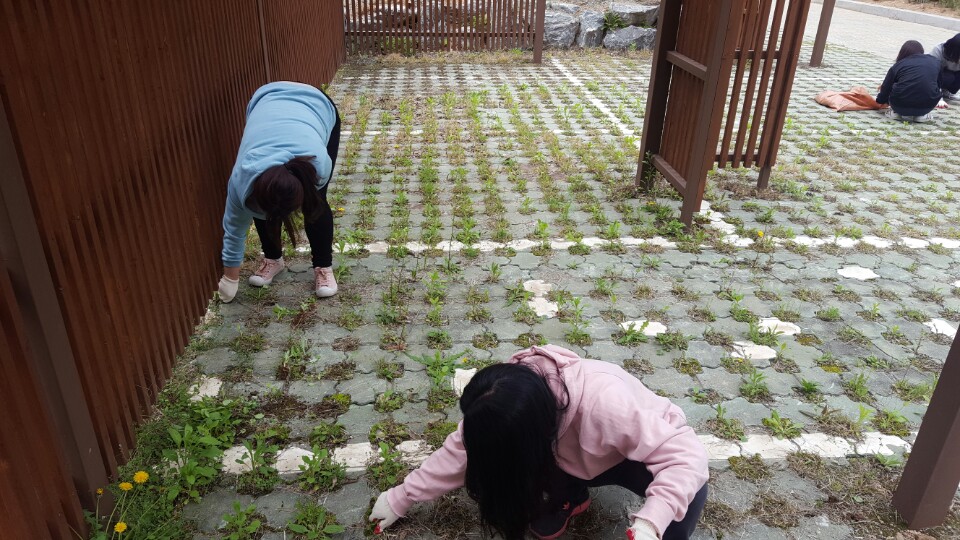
[(688, 64), (820, 43), (929, 481)]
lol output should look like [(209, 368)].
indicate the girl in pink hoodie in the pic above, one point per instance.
[(540, 429)]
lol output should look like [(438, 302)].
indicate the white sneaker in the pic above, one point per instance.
[(950, 96), (923, 119), (890, 114), (326, 284), (269, 268)]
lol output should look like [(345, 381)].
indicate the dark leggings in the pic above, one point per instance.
[(634, 476), (950, 80), (319, 231)]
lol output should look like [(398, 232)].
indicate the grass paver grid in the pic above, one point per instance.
[(518, 166)]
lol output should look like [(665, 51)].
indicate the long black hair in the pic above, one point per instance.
[(283, 189), (511, 418), (909, 48)]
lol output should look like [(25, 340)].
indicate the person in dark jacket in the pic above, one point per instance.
[(949, 55), (912, 85)]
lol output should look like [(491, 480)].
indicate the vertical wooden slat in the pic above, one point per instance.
[(746, 41), (769, 56), (756, 61)]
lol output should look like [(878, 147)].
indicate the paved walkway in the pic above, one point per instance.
[(870, 33)]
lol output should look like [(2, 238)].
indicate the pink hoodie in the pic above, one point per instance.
[(612, 416)]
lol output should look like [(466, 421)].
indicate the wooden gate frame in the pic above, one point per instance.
[(735, 39)]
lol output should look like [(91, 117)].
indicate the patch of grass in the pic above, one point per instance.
[(742, 314), (831, 314), (631, 336), (439, 339), (529, 339), (440, 399), (782, 428), (328, 435), (387, 472), (388, 370), (736, 365), (707, 396), (637, 367), (808, 340), (643, 292), (701, 314), (766, 337), (687, 366), (856, 388), (849, 334), (775, 511), (917, 393), (895, 335), (314, 522), (247, 343), (749, 468), (485, 340), (320, 473), (389, 401), (717, 339), (673, 340), (834, 422), (436, 432), (389, 431), (341, 371), (726, 428), (754, 387), (808, 295), (891, 423), (332, 405)]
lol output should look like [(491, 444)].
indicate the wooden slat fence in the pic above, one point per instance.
[(120, 123), (411, 26), (704, 50)]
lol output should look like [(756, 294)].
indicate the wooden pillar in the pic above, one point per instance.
[(820, 43), (538, 40), (932, 474)]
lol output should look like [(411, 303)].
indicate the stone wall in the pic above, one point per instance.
[(622, 26)]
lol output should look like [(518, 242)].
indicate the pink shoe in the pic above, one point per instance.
[(269, 268), (326, 284)]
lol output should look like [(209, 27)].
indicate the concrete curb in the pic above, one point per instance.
[(905, 15)]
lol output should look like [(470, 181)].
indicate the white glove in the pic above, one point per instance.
[(642, 529), (228, 289), (942, 105), (383, 513)]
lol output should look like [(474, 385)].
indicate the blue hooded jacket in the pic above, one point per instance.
[(284, 120)]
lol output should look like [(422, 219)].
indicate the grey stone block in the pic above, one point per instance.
[(559, 29), (636, 14)]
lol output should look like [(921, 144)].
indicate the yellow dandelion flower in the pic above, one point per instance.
[(126, 486), (120, 527), (99, 491), (140, 477), (760, 234), (341, 209)]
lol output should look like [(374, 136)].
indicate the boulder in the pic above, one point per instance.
[(560, 6), (630, 37), (591, 29), (559, 29), (636, 14)]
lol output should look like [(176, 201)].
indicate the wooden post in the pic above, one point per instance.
[(820, 43), (538, 40), (929, 481)]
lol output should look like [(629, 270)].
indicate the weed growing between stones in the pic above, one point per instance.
[(750, 468), (319, 473), (387, 472), (314, 522), (782, 428), (726, 428), (328, 435)]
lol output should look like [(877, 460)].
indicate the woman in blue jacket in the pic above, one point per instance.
[(912, 86), (285, 162)]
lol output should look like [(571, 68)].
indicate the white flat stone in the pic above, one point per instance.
[(652, 329), (940, 326), (461, 378), (662, 242), (718, 448), (487, 246), (206, 387), (845, 242), (857, 272), (738, 241), (231, 456), (417, 247), (773, 324), (877, 443), (378, 247), (355, 457), (767, 446), (522, 244), (877, 242), (749, 350), (824, 445), (290, 459), (946, 242), (560, 244), (956, 283), (414, 452), (914, 243), (632, 241), (538, 287), (543, 307), (451, 245), (593, 241), (724, 227)]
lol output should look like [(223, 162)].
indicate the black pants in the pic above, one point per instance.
[(950, 80), (319, 231), (634, 476)]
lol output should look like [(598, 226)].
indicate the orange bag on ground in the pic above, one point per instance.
[(857, 99)]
